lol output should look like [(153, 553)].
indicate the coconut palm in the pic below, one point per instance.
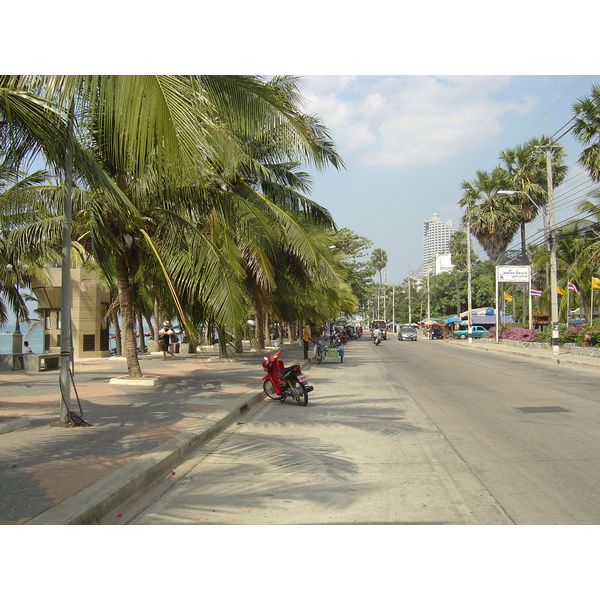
[(15, 187), (163, 153), (587, 131)]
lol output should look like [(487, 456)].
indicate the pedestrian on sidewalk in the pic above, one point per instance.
[(164, 335), (307, 337)]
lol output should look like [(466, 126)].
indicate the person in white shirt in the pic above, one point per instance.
[(164, 335)]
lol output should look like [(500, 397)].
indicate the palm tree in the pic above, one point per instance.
[(164, 150), (527, 172), (573, 261), (15, 186), (493, 220), (379, 260), (587, 131)]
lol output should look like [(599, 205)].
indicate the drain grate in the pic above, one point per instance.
[(541, 409)]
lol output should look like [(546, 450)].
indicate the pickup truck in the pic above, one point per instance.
[(477, 331)]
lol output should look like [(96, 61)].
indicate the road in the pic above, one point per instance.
[(406, 432)]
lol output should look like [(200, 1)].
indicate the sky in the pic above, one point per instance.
[(408, 142)]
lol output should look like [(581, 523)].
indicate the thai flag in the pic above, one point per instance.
[(571, 288), (536, 293)]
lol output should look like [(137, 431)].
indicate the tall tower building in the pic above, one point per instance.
[(436, 239)]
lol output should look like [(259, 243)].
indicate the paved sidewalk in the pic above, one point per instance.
[(138, 433)]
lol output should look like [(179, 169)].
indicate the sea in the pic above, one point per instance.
[(35, 338)]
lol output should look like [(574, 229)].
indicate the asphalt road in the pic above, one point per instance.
[(424, 432), (527, 429)]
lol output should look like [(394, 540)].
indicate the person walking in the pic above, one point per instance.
[(164, 335), (307, 338)]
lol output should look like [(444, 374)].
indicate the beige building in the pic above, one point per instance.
[(89, 303)]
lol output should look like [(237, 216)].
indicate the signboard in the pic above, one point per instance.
[(510, 274)]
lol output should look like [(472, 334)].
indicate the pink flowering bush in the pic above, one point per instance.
[(519, 334)]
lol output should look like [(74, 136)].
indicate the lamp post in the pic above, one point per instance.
[(17, 336)]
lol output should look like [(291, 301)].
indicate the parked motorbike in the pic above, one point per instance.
[(320, 351), (282, 382)]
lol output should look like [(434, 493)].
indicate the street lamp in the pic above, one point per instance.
[(17, 336)]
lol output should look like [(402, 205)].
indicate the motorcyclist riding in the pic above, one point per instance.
[(376, 335)]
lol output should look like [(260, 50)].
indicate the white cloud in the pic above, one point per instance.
[(411, 120)]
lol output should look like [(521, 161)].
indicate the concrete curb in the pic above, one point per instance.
[(94, 503), (13, 424)]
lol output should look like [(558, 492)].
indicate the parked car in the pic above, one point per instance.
[(407, 334), (477, 331)]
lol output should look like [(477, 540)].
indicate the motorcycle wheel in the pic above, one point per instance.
[(269, 390), (299, 392), (319, 357)]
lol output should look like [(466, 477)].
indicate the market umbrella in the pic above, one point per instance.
[(453, 320), (430, 322)]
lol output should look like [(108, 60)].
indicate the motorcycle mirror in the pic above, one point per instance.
[(276, 344)]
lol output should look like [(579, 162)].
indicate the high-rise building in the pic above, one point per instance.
[(436, 240)]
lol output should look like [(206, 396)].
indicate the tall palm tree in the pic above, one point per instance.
[(379, 260), (164, 149), (493, 219), (527, 172), (587, 131)]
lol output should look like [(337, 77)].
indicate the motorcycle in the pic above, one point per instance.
[(282, 382), (376, 338), (320, 351)]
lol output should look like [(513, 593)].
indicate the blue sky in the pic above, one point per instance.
[(409, 141)]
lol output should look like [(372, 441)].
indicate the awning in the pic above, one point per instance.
[(490, 319)]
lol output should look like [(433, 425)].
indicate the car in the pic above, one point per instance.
[(477, 331), (381, 325), (407, 334)]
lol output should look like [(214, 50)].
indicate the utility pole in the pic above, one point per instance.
[(428, 297), (65, 303), (552, 244), (409, 301), (469, 293), (394, 309)]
